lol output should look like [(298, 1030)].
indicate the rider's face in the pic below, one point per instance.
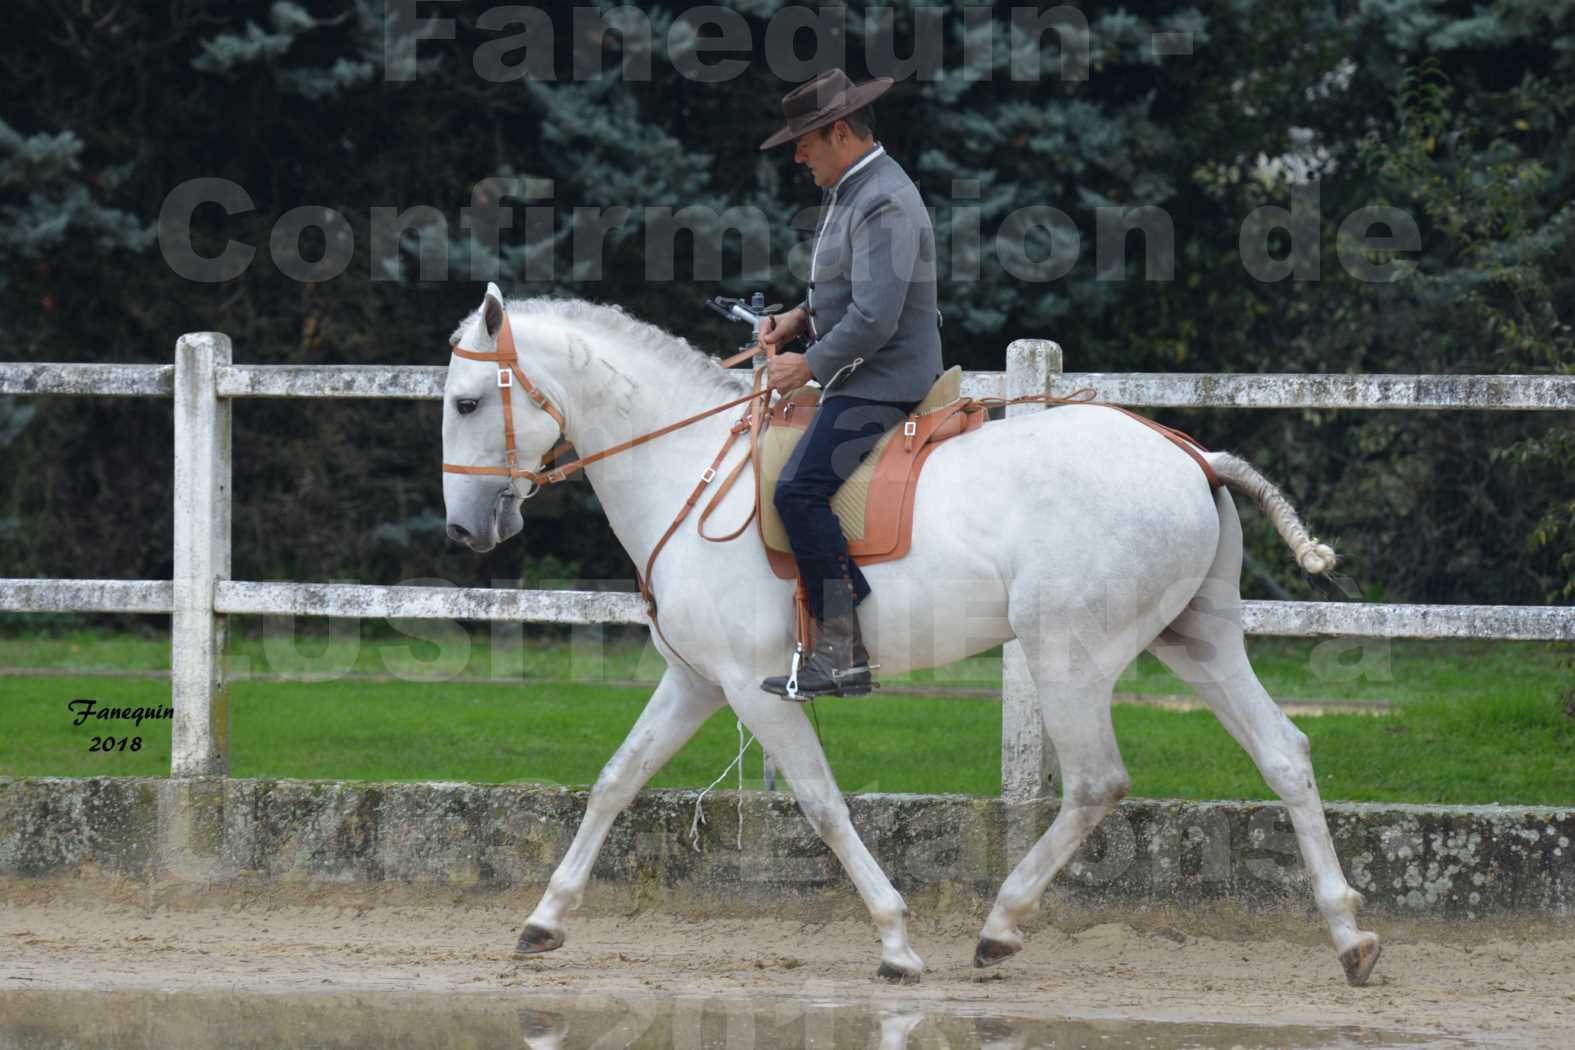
[(817, 151)]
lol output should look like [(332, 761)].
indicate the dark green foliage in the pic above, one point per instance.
[(1457, 114)]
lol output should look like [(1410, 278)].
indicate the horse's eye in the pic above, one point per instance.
[(466, 405)]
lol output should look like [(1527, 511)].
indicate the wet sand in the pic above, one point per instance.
[(1506, 983)]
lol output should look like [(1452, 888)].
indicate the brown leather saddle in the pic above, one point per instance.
[(875, 504)]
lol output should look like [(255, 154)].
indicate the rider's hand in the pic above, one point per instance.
[(786, 372), (779, 329)]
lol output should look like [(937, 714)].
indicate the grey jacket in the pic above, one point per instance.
[(872, 295)]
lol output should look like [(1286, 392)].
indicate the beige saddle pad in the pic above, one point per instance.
[(875, 504)]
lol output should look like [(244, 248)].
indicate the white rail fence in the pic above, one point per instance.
[(204, 381)]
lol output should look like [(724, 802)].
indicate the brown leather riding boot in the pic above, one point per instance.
[(839, 665)]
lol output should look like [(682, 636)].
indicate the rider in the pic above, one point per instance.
[(872, 324)]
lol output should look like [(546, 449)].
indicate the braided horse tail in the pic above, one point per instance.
[(1241, 476)]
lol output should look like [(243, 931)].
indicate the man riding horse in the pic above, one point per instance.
[(871, 321)]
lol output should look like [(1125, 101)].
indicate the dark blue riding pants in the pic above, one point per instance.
[(841, 435)]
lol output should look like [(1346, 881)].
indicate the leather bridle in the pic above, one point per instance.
[(507, 359), (509, 374)]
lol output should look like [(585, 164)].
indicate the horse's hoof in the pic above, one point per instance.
[(1360, 959), (991, 952), (536, 940), (895, 975)]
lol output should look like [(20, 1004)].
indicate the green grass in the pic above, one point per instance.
[(1291, 669), (1469, 722)]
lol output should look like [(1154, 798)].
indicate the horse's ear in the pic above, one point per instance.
[(492, 309)]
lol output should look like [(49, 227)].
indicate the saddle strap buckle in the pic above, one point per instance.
[(910, 429), (505, 378)]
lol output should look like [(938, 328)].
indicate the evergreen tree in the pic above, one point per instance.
[(1456, 114)]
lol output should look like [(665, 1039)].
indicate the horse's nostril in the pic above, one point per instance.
[(458, 533)]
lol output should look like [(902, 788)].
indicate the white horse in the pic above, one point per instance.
[(1081, 533)]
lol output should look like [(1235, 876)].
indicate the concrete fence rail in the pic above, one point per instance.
[(353, 601), (1148, 390), (204, 382)]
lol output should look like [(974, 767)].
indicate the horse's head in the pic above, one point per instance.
[(485, 473)]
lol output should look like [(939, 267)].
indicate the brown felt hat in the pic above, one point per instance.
[(824, 99)]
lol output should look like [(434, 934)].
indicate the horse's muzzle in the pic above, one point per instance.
[(501, 522)]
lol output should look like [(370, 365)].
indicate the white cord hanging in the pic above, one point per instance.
[(699, 818)]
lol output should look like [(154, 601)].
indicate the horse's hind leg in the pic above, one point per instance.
[(1204, 645), (1282, 753), (679, 706), (784, 731), (1093, 779)]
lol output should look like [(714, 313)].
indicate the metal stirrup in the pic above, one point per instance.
[(792, 682)]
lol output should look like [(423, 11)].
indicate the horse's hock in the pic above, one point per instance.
[(946, 853)]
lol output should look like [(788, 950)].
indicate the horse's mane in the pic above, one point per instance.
[(704, 371)]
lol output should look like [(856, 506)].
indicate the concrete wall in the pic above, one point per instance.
[(950, 851)]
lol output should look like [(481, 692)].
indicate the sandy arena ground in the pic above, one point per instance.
[(1507, 983)]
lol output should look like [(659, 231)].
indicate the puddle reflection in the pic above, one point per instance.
[(47, 1020)]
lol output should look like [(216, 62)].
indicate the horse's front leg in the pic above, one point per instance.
[(784, 731), (681, 704)]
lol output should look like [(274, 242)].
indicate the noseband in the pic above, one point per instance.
[(507, 359)]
